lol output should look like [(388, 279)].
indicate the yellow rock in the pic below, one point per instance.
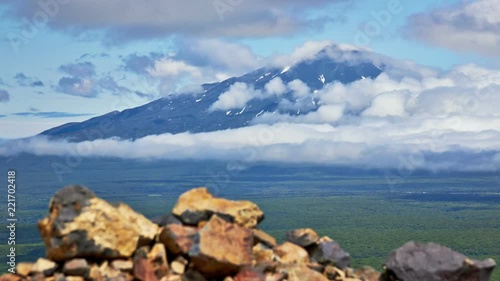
[(199, 205)]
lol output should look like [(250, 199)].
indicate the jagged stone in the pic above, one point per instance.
[(333, 273), (80, 225), (44, 266), (433, 262), (302, 273), (222, 248), (262, 255), (303, 237), (329, 252), (150, 265), (199, 205), (123, 265), (260, 236), (24, 268), (166, 219), (104, 272), (249, 275), (367, 273), (193, 275), (76, 267), (275, 276), (289, 253), (178, 239), (178, 266)]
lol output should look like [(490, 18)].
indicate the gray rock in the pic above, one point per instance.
[(330, 252), (432, 262), (302, 237)]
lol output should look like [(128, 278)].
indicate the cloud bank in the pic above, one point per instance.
[(470, 26), (409, 117), (128, 20)]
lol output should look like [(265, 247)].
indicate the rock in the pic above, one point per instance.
[(44, 266), (178, 239), (199, 205), (178, 266), (249, 275), (289, 253), (262, 255), (105, 271), (222, 248), (166, 219), (24, 268), (76, 267), (367, 273), (74, 278), (193, 275), (302, 273), (433, 262), (10, 277), (260, 236), (275, 276), (329, 252), (150, 265), (333, 273), (303, 237), (123, 265), (80, 225)]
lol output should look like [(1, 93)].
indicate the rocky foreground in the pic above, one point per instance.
[(208, 238)]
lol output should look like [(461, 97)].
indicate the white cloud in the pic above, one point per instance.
[(236, 97), (167, 67), (388, 104), (307, 51), (275, 87), (471, 26), (299, 88)]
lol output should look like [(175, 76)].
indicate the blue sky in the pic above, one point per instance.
[(106, 47)]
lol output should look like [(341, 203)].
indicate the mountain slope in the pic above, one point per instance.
[(190, 113)]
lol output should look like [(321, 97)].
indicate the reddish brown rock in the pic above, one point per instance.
[(199, 205), (249, 275), (80, 225), (178, 239), (76, 267), (260, 236), (367, 273), (150, 265), (289, 253), (223, 248), (303, 237), (10, 277)]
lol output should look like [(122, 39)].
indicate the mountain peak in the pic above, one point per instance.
[(234, 102)]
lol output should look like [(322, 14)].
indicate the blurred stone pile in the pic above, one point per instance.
[(207, 238)]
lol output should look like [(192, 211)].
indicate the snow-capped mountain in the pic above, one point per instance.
[(193, 112)]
